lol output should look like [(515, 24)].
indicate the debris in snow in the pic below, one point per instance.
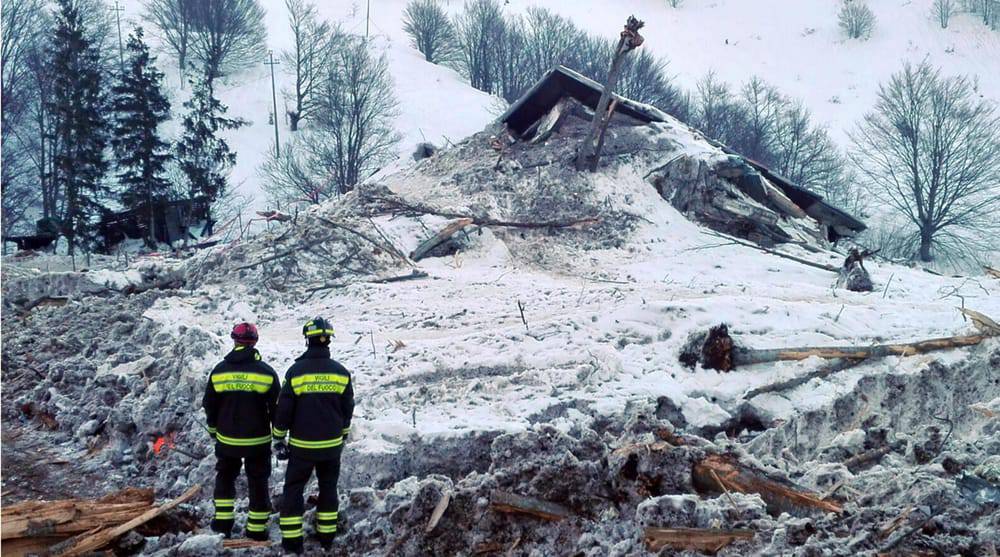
[(853, 275)]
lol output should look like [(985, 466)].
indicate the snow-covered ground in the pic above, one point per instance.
[(796, 45)]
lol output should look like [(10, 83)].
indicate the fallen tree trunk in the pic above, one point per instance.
[(510, 503), (99, 537), (717, 350), (708, 540), (441, 237), (749, 356), (718, 473)]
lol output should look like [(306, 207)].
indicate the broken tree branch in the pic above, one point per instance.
[(821, 373)]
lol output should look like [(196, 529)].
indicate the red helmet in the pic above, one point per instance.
[(244, 333)]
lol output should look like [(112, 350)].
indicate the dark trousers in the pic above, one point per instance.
[(292, 505), (258, 470)]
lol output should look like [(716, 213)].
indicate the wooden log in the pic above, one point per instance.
[(992, 272), (441, 237), (722, 471), (708, 540), (505, 502), (99, 537)]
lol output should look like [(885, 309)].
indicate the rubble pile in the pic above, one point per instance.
[(613, 482)]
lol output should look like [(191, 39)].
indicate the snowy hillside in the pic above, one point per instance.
[(798, 46), (792, 44)]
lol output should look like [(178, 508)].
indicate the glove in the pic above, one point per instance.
[(281, 451)]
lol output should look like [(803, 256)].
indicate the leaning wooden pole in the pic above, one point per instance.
[(587, 155)]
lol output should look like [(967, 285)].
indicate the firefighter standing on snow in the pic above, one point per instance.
[(314, 410), (240, 400)]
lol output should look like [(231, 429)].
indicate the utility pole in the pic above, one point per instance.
[(368, 18), (274, 102), (118, 17)]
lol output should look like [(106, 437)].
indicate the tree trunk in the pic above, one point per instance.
[(925, 245), (293, 120)]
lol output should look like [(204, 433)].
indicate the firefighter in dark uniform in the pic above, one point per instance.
[(240, 401), (314, 410)]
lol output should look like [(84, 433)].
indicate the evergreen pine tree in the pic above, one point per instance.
[(80, 132), (204, 157), (140, 107)]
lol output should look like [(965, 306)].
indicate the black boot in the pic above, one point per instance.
[(258, 536), (292, 545), (224, 527)]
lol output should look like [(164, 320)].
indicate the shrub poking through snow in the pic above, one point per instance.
[(856, 19)]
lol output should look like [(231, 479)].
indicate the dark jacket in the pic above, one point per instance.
[(315, 406), (240, 400)]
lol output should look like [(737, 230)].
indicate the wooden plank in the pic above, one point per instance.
[(439, 238), (70, 520), (439, 509), (505, 502), (709, 540), (98, 538), (718, 472), (244, 543), (21, 547)]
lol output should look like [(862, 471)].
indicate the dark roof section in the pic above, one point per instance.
[(812, 203), (560, 82)]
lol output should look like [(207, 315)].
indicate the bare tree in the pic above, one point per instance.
[(173, 21), (478, 30), (762, 105), (355, 117), (309, 59), (942, 10), (716, 111), (856, 19), (430, 31), (550, 39), (931, 151), (675, 3), (228, 36)]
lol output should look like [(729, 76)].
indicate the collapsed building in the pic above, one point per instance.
[(731, 193)]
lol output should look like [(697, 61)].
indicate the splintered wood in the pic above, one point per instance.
[(708, 540), (510, 503), (35, 527), (718, 473)]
